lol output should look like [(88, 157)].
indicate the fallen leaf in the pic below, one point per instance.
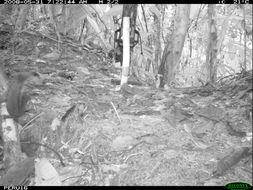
[(122, 142), (45, 173)]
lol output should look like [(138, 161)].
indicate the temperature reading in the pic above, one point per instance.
[(241, 2)]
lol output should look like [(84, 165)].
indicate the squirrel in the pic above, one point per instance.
[(17, 98)]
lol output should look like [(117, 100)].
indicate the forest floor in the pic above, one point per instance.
[(140, 135), (145, 136)]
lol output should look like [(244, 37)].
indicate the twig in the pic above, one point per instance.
[(26, 126), (116, 112)]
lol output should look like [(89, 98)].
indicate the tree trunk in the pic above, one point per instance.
[(173, 50), (158, 48), (128, 31), (211, 52)]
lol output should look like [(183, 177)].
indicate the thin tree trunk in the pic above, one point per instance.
[(211, 53), (158, 48), (174, 47)]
